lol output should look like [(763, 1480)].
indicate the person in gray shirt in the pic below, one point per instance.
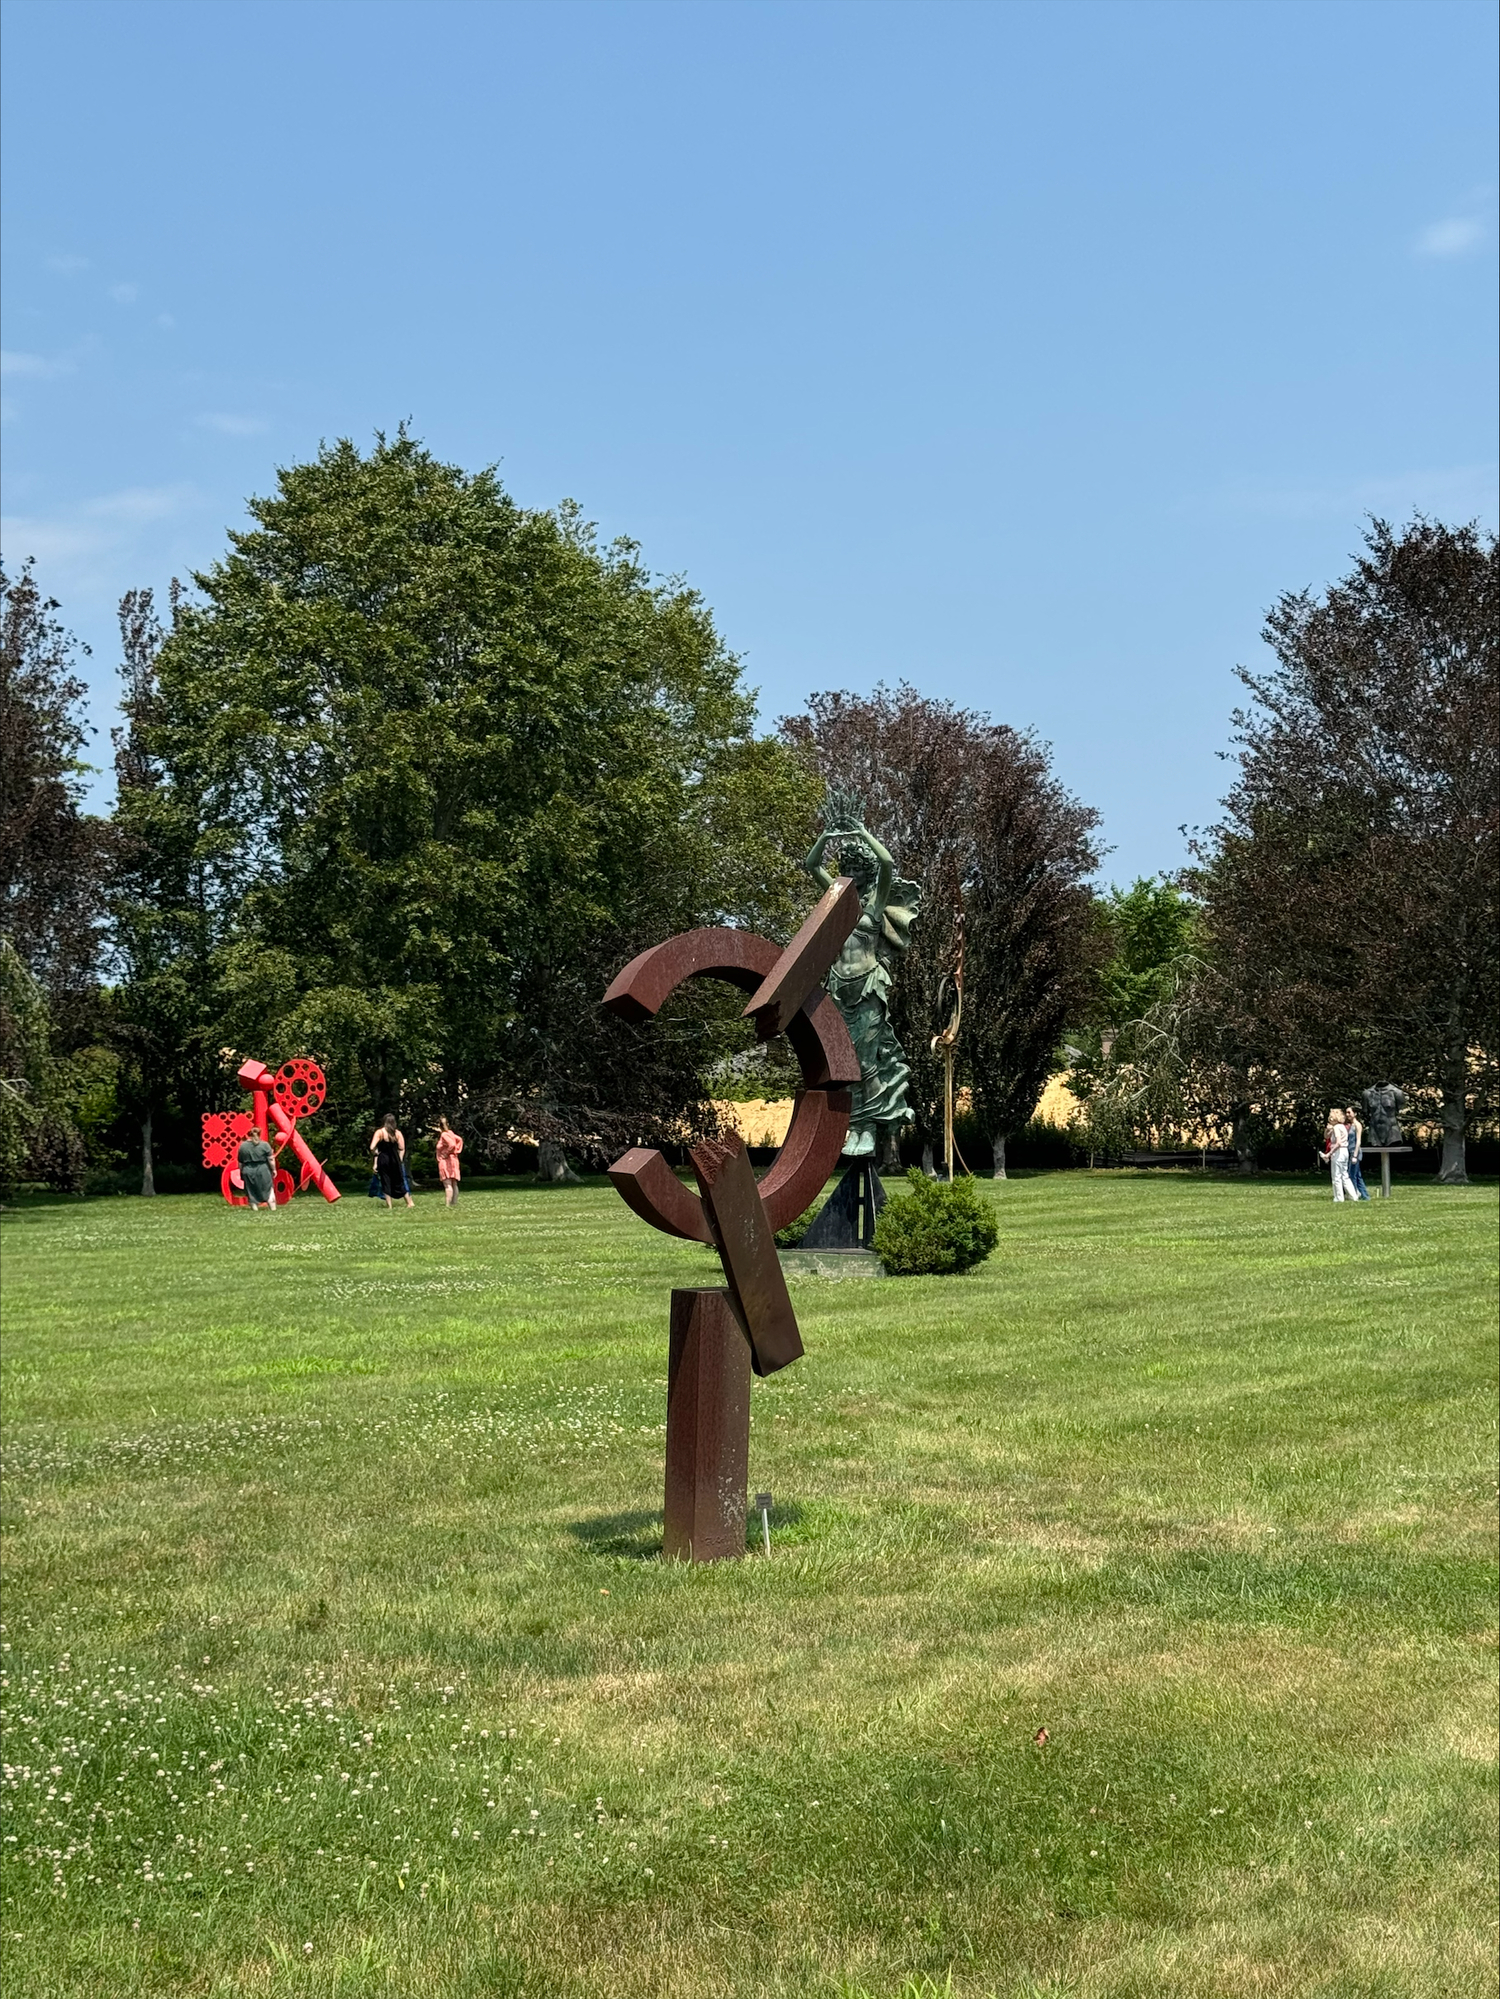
[(257, 1164)]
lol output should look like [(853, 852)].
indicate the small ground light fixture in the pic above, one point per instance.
[(763, 1508)]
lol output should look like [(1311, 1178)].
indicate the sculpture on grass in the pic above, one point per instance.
[(280, 1099), (1383, 1102), (861, 980), (717, 1337)]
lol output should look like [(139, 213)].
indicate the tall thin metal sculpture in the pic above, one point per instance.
[(718, 1336), (951, 1005)]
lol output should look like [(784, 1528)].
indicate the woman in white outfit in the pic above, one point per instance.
[(1338, 1157)]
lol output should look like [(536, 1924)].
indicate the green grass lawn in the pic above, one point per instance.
[(340, 1657)]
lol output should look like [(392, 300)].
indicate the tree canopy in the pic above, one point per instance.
[(430, 766), (51, 850), (1149, 929), (1350, 893), (971, 809)]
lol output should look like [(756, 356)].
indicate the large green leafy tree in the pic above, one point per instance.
[(50, 848), (169, 909), (1145, 935), (1349, 894), (430, 766), (39, 1134), (1149, 928), (55, 1081)]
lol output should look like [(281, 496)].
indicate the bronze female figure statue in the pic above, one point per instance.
[(861, 980)]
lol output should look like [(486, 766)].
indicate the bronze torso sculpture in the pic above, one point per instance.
[(861, 980), (1382, 1102)]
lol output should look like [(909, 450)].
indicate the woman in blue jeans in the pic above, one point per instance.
[(1356, 1150)]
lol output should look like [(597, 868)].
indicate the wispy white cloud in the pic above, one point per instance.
[(37, 366), (1450, 238), (139, 503), (124, 294), (67, 265), (231, 426), (87, 553), (165, 321), (1451, 493)]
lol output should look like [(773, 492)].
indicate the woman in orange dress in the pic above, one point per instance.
[(449, 1146)]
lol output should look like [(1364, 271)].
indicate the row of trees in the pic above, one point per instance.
[(1339, 925), (409, 773)]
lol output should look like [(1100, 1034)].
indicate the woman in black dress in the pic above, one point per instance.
[(389, 1147)]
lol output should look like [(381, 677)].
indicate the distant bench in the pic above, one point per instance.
[(1179, 1158)]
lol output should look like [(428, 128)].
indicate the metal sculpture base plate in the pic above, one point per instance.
[(708, 1430), (831, 1263), (847, 1218)]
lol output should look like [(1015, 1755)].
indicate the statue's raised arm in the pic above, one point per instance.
[(814, 861), (885, 874)]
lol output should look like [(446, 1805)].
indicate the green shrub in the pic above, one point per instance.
[(938, 1228)]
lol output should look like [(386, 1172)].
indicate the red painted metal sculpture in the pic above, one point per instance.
[(281, 1099), (718, 1336)]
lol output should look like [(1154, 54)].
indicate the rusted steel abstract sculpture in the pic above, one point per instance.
[(718, 1336), (281, 1098)]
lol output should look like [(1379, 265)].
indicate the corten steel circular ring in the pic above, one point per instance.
[(820, 1121)]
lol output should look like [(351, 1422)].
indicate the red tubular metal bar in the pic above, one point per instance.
[(312, 1172)]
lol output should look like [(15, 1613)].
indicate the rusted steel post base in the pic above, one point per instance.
[(708, 1430)]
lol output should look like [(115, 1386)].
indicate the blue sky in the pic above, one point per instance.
[(1025, 351)]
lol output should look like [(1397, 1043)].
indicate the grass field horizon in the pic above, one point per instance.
[(339, 1657)]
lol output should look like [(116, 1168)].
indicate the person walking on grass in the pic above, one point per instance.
[(1336, 1152), (449, 1146), (257, 1164), (388, 1144), (1356, 1133)]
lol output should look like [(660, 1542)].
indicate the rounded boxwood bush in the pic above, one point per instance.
[(938, 1228)]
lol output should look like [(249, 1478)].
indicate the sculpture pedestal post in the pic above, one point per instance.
[(846, 1219), (1385, 1152), (708, 1430)]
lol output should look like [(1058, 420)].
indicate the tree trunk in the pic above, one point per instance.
[(1454, 1170), (928, 1166), (890, 1149), (552, 1165), (997, 1147), (148, 1168), (1240, 1137)]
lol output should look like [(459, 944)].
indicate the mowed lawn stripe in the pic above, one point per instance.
[(335, 1614)]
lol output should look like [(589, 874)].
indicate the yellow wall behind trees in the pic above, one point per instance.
[(760, 1122)]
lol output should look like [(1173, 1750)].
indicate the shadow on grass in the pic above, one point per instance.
[(636, 1537)]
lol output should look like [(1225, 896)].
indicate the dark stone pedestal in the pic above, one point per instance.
[(847, 1218), (708, 1430)]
